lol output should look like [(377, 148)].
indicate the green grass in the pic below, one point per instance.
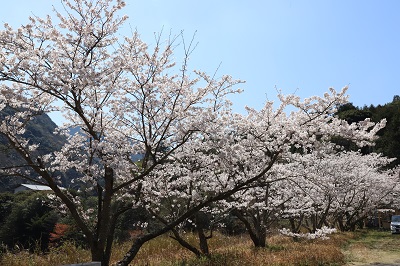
[(372, 246)]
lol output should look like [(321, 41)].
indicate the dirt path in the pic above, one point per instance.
[(373, 248)]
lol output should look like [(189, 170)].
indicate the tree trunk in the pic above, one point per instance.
[(184, 243), (137, 244), (255, 235), (295, 227), (203, 242), (98, 254), (340, 223), (201, 221)]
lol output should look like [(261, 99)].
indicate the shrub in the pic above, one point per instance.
[(28, 223)]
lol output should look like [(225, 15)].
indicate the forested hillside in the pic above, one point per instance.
[(40, 130), (389, 138)]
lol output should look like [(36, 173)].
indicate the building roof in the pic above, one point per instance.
[(36, 187)]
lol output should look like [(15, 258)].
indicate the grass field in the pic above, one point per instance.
[(368, 247), (360, 248)]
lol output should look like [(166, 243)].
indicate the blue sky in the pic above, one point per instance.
[(301, 46)]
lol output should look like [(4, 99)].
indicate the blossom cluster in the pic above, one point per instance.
[(319, 233)]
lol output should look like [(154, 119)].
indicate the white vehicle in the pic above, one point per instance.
[(395, 224)]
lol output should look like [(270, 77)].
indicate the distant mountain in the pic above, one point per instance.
[(39, 130)]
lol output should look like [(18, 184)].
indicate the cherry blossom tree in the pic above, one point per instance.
[(346, 187), (238, 161), (129, 99), (260, 208), (126, 98), (317, 190)]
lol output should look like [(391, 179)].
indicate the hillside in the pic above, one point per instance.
[(389, 138), (40, 130)]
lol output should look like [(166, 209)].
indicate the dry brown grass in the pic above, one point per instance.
[(66, 254), (237, 251), (234, 251)]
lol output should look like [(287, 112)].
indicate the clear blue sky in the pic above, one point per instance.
[(302, 46)]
